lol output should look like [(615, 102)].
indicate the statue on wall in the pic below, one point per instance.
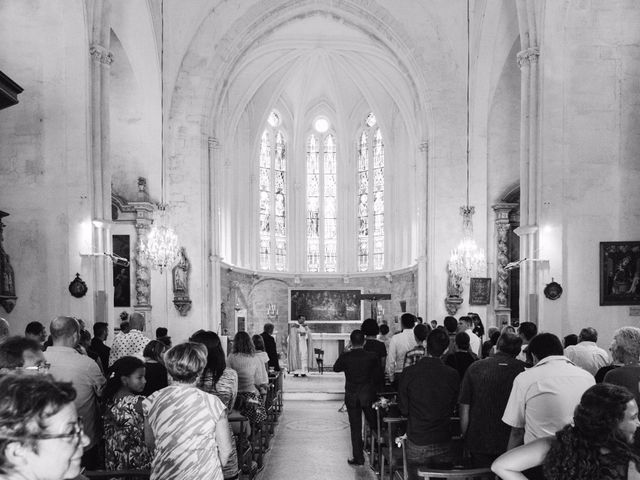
[(181, 273), (7, 277)]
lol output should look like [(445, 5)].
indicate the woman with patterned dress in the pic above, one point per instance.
[(187, 427), (123, 419), (221, 382)]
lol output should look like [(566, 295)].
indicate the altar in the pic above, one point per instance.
[(333, 345)]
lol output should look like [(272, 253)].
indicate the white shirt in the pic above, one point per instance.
[(474, 341), (544, 397), (67, 365), (522, 356), (587, 355), (399, 345)]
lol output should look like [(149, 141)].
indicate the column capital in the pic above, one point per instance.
[(527, 56), (101, 54), (502, 211)]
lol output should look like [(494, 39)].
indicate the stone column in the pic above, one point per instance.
[(502, 307), (214, 258), (529, 13), (422, 260), (100, 167), (144, 218)]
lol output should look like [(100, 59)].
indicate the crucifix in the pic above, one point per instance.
[(374, 297)]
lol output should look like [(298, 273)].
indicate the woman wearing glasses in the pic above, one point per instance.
[(41, 436)]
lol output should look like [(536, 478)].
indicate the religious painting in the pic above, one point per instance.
[(620, 273), (321, 305), (479, 291), (121, 274)]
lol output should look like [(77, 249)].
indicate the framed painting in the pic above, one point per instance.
[(620, 273), (322, 305), (479, 291)]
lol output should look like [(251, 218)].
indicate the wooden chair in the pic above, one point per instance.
[(121, 474), (390, 454), (247, 466), (319, 359), (385, 406)]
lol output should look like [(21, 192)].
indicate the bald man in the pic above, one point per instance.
[(67, 365)]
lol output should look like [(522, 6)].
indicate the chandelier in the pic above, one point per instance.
[(160, 248), (467, 259)]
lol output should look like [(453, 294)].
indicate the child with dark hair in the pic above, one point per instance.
[(123, 419)]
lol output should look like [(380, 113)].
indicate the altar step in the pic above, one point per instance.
[(315, 386)]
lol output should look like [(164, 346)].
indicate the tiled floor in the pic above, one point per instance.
[(311, 443)]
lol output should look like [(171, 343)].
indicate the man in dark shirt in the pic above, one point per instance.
[(427, 396), (483, 397), (270, 346), (360, 368), (100, 333)]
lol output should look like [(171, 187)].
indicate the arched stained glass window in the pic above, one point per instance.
[(322, 208), (370, 197), (273, 197)]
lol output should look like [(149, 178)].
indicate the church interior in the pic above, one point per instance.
[(221, 164), (325, 146)]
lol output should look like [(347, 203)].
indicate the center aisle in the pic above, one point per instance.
[(312, 442)]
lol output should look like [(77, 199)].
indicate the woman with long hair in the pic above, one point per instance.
[(599, 445), (252, 377), (222, 382)]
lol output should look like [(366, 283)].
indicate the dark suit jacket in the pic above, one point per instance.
[(270, 348), (102, 350), (360, 368)]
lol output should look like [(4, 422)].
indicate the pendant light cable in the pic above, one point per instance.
[(468, 96)]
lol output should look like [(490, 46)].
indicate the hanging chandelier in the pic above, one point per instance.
[(467, 259), (160, 248)]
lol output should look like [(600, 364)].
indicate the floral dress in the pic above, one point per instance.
[(124, 435)]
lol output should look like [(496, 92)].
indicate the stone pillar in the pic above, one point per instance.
[(214, 259), (502, 306), (100, 167), (529, 138), (422, 260), (144, 218)]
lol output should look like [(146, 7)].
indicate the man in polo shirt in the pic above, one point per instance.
[(399, 345), (544, 397), (67, 365), (483, 396), (586, 354), (427, 396)]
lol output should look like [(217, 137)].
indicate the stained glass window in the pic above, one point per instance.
[(370, 196), (272, 206), (322, 213)]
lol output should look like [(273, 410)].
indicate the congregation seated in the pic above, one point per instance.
[(586, 354), (41, 435), (625, 349), (181, 419), (222, 382), (427, 396), (463, 356), (252, 377), (123, 419), (156, 374), (484, 394), (21, 355), (597, 444)]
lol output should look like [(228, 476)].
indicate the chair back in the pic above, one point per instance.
[(457, 474), (319, 353)]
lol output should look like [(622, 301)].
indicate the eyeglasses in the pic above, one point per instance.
[(75, 435)]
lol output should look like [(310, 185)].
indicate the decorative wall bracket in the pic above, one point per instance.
[(78, 288), (183, 305), (452, 304)]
